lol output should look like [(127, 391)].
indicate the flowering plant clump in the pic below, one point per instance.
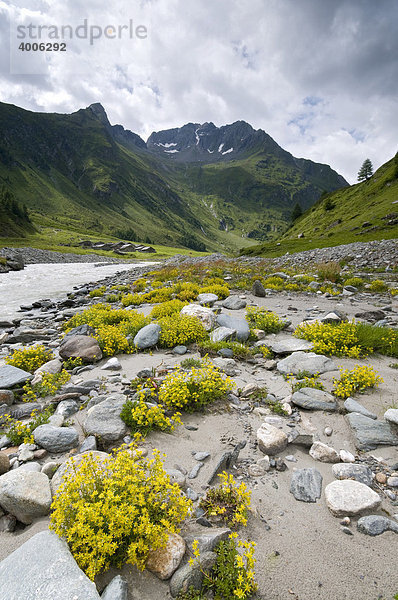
[(30, 358), (260, 318), (167, 308), (115, 511), (194, 389), (355, 380), (133, 299), (230, 501), (19, 432), (311, 381), (98, 292), (222, 291), (179, 329), (241, 351), (49, 384), (378, 285), (339, 339), (143, 418)]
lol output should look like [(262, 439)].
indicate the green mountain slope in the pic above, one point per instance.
[(79, 173), (362, 212)]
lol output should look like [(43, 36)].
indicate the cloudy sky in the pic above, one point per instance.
[(320, 76)]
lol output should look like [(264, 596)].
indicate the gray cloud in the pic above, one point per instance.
[(320, 77)]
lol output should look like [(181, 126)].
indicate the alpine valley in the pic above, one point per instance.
[(201, 187)]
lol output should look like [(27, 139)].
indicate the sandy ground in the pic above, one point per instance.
[(301, 551)]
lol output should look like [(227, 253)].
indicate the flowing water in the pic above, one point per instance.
[(40, 281)]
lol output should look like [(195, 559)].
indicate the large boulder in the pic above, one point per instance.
[(271, 440), (164, 561), (81, 346), (376, 524), (44, 569), (104, 422), (360, 473), (222, 334), (313, 399), (234, 303), (369, 433), (306, 361), (148, 336), (207, 299), (56, 439), (306, 485), (10, 376), (25, 494), (352, 406), (241, 326), (350, 498), (4, 463), (205, 315), (258, 289)]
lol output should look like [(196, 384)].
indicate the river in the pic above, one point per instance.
[(39, 281)]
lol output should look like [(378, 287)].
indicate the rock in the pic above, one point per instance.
[(180, 350), (164, 561), (71, 463), (241, 326), (191, 576), (369, 434), (195, 471), (113, 364), (270, 439), (205, 315), (200, 456), (4, 463), (258, 289), (391, 415), (30, 466), (225, 352), (349, 497), (49, 469), (56, 420), (25, 452), (333, 317), (360, 473), (227, 365), (234, 303), (117, 589), (80, 330), (208, 299), (7, 524), (104, 422), (49, 572), (25, 409), (90, 443), (376, 524), (328, 431), (56, 439), (177, 477), (222, 334), (10, 376), (381, 478), (352, 406), (392, 481), (208, 539), (323, 453), (287, 345), (148, 336), (81, 346), (305, 361), (306, 485), (25, 494), (67, 408), (346, 457), (370, 315), (6, 397), (52, 366), (313, 399)]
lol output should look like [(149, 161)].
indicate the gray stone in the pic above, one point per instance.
[(360, 473), (104, 422), (333, 317), (306, 361), (222, 334), (80, 346), (234, 303), (306, 485), (369, 434), (376, 524), (347, 497), (25, 452), (7, 524), (391, 415), (287, 345), (117, 589), (56, 439), (313, 399), (195, 471), (258, 289), (56, 420), (352, 406), (200, 456), (30, 466), (164, 561), (205, 315), (25, 494), (241, 326), (323, 453), (10, 376), (4, 463), (191, 576), (67, 408), (225, 352), (113, 364), (207, 539), (177, 477), (80, 330), (270, 439), (6, 397), (25, 409), (227, 365), (208, 299), (90, 443), (49, 469), (49, 572), (180, 350), (392, 481), (52, 366), (148, 336)]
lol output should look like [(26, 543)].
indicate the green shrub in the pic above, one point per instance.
[(19, 432), (240, 351), (48, 385), (329, 271), (179, 329), (383, 340), (311, 381), (229, 501), (30, 358), (188, 363), (340, 339), (378, 285), (113, 298), (115, 511), (357, 282), (98, 292), (142, 418), (260, 318)]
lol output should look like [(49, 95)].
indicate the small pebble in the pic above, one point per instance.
[(291, 458), (200, 456), (346, 530), (381, 477), (346, 521), (195, 471), (328, 431)]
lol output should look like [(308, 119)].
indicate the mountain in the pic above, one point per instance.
[(199, 186), (362, 212)]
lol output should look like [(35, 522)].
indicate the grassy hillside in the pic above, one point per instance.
[(362, 212)]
